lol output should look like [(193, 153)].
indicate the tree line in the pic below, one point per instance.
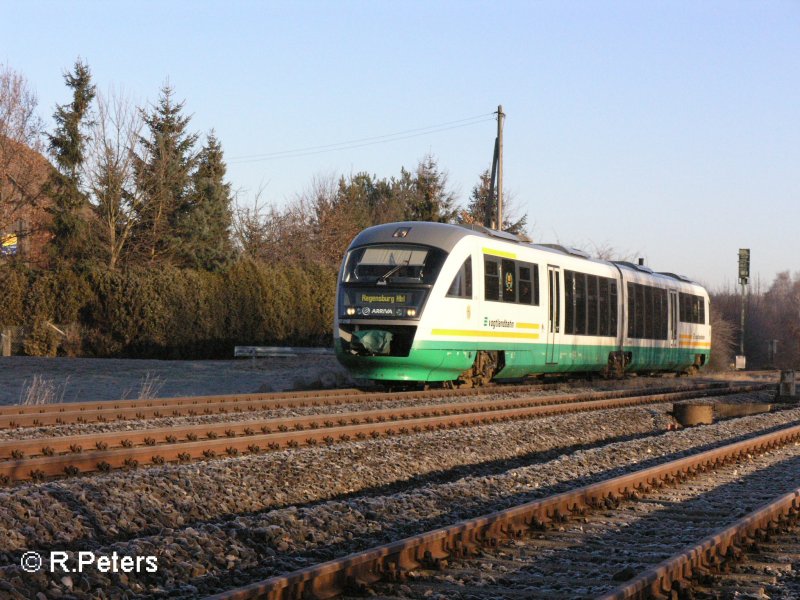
[(772, 323), (149, 253)]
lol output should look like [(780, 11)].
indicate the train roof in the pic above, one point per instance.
[(446, 236), (438, 235)]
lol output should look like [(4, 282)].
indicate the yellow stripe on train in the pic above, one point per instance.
[(500, 253), (480, 333)]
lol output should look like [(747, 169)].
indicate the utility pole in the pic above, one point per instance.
[(500, 117), (494, 212)]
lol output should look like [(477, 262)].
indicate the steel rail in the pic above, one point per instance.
[(710, 552), (13, 448), (21, 469), (103, 411), (394, 560), (29, 409), (14, 416)]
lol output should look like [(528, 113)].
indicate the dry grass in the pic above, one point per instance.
[(149, 387), (723, 342), (42, 391)]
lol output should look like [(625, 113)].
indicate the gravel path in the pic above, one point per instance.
[(221, 523)]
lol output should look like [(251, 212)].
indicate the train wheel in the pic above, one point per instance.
[(487, 364)]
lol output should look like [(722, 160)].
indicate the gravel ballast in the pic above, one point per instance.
[(194, 517)]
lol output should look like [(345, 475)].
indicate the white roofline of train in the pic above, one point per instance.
[(504, 236)]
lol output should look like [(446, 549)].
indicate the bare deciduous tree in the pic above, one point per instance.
[(22, 169), (723, 340), (109, 176), (306, 230)]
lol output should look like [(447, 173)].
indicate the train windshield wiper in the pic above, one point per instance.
[(384, 278)]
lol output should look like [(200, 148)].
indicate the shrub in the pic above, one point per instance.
[(167, 312)]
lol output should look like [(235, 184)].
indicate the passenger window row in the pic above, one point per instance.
[(590, 300), (590, 304), (507, 280), (647, 312)]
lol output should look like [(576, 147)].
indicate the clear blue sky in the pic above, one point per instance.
[(666, 129)]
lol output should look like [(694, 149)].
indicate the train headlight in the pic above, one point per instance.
[(350, 311), (411, 312)]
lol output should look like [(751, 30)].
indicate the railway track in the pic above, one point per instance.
[(18, 416), (37, 459), (595, 536), (694, 566), (766, 566)]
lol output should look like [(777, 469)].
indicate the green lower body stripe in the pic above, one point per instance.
[(445, 360)]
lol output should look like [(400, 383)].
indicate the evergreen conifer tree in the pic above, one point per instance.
[(67, 144), (163, 176), (204, 228), (431, 200), (481, 203)]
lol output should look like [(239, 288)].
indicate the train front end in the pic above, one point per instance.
[(385, 282)]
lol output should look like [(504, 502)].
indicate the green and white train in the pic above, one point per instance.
[(431, 302)]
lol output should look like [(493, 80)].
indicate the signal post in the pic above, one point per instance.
[(744, 277)]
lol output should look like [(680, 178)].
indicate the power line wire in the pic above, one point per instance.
[(368, 141)]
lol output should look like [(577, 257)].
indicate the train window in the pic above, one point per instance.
[(528, 277), (525, 291), (684, 312), (647, 312), (569, 302), (612, 307), (491, 279), (631, 310), (641, 315), (692, 309), (462, 282), (391, 264), (602, 306), (580, 303), (509, 281), (658, 316), (591, 304)]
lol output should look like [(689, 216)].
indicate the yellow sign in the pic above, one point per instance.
[(9, 244)]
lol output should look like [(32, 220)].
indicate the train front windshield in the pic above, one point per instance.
[(393, 265), (388, 281)]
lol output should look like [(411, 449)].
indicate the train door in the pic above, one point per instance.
[(673, 319), (553, 313)]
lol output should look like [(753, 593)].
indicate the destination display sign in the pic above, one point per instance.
[(372, 298), (382, 304)]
